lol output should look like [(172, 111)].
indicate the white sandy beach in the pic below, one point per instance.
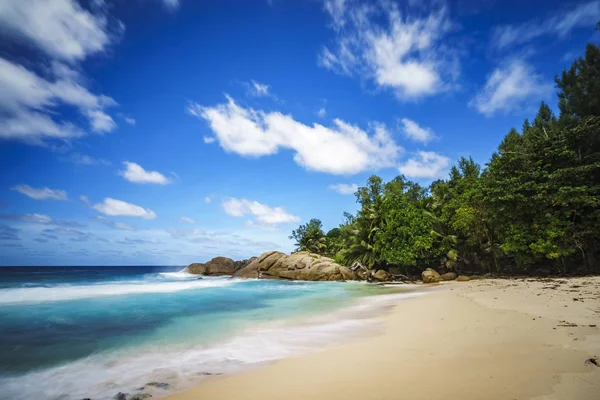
[(488, 339)]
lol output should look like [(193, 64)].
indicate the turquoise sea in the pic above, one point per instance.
[(91, 332)]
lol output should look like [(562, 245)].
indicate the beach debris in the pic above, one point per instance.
[(593, 361), (162, 385), (567, 324)]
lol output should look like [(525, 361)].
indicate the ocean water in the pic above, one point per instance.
[(78, 332)]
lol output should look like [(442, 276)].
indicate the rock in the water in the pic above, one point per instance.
[(448, 276), (162, 385), (430, 276), (297, 266), (217, 266), (463, 278), (121, 396), (382, 276)]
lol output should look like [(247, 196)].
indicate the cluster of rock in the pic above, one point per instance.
[(303, 266), (432, 276), (277, 265)]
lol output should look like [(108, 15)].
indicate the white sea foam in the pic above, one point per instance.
[(178, 275), (102, 375), (74, 292)]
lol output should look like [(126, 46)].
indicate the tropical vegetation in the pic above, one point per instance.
[(535, 206)]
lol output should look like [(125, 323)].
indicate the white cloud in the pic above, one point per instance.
[(188, 220), (341, 149), (258, 89), (209, 139), (405, 55), (115, 224), (413, 131), (322, 112), (61, 28), (344, 188), (30, 98), (426, 165), (263, 213), (44, 193), (28, 102), (558, 25), (100, 121), (135, 173), (113, 208), (511, 88), (207, 199), (85, 199), (129, 120)]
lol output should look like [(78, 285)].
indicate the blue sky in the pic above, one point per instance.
[(172, 131)]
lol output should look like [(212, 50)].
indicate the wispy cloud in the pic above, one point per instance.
[(257, 89), (8, 233), (263, 213), (44, 193), (344, 188), (559, 25), (407, 53), (188, 220), (414, 132), (84, 159), (512, 87), (74, 235), (40, 219), (425, 165), (114, 224)]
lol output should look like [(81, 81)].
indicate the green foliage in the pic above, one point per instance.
[(535, 205), (361, 230), (580, 87), (310, 237)]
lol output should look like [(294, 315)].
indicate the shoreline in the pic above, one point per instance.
[(510, 339)]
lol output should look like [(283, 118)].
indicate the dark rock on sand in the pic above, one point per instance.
[(593, 361), (463, 278)]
